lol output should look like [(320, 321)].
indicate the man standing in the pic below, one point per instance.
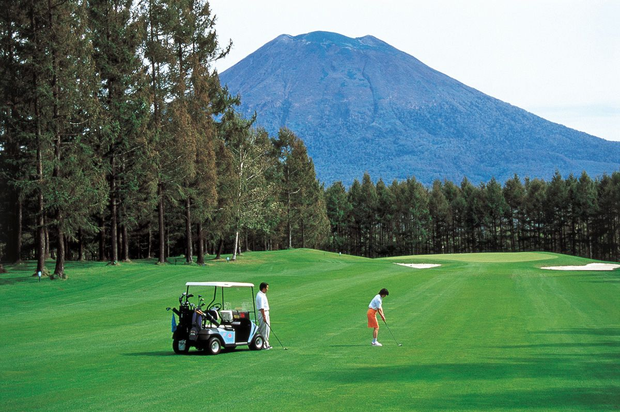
[(373, 308), (262, 304)]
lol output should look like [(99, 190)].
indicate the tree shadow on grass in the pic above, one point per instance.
[(492, 375), (582, 398), (15, 280), (606, 277), (613, 331), (553, 376), (589, 277)]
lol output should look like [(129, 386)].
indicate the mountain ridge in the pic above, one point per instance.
[(361, 105)]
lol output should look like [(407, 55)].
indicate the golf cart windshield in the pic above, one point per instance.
[(221, 284), (235, 296)]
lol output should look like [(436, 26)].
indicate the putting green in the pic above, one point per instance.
[(480, 257), (481, 332)]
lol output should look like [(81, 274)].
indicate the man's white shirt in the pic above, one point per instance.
[(261, 301)]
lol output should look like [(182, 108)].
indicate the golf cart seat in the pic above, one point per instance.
[(226, 316), (212, 316)]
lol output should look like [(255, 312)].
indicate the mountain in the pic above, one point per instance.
[(361, 105)]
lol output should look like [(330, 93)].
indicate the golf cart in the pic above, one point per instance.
[(217, 325)]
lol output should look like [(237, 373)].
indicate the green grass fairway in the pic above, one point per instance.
[(481, 332)]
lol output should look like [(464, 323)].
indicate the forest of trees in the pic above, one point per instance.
[(117, 141), (577, 216)]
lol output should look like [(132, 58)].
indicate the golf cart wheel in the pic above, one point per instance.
[(257, 343), (214, 346), (180, 346)]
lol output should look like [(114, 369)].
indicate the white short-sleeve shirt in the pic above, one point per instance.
[(375, 303), (261, 301)]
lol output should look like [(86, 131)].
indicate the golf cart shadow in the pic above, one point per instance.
[(157, 354), (189, 353)]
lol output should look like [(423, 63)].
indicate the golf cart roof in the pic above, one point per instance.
[(222, 284)]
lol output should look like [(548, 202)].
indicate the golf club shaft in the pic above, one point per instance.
[(274, 334), (393, 337)]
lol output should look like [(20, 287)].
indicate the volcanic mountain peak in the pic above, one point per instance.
[(362, 105)]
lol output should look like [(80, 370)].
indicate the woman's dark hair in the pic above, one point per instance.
[(263, 285), (384, 292)]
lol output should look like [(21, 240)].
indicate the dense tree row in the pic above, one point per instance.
[(117, 141), (578, 216)]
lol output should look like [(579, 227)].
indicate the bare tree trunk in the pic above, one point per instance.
[(201, 248), (288, 221), (60, 252), (162, 234), (114, 217), (81, 256), (220, 248), (125, 244), (40, 203), (236, 245), (189, 257), (102, 255), (46, 242), (149, 252), (20, 218)]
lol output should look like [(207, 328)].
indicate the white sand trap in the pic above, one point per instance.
[(419, 265), (590, 266)]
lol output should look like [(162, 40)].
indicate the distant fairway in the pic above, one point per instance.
[(481, 332), (482, 257)]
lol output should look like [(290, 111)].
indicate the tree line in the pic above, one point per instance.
[(118, 141), (578, 216)]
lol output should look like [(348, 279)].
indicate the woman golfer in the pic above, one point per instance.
[(373, 308)]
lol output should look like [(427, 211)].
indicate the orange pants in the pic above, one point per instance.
[(372, 318)]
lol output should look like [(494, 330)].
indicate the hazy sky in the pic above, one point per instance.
[(559, 59)]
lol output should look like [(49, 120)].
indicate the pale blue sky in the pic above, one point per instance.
[(559, 59)]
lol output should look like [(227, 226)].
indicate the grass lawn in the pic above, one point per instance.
[(480, 332)]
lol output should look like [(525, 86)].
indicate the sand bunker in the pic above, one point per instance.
[(419, 265), (590, 266)]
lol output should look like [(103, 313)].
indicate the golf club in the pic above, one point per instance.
[(388, 328), (274, 334)]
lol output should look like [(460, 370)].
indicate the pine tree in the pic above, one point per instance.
[(456, 207), (299, 190), (73, 185), (117, 37), (438, 207), (535, 194), (586, 209), (338, 211), (156, 17), (514, 194), (495, 210), (15, 159), (386, 213), (556, 200)]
